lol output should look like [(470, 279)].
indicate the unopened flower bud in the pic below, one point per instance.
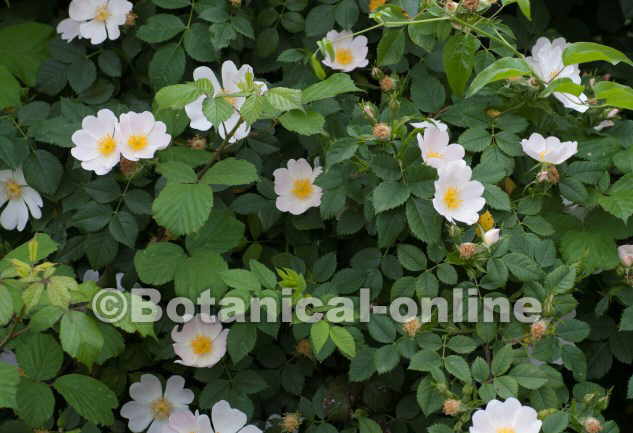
[(382, 131), (493, 113), (491, 237), (611, 114), (471, 5), (454, 231), (451, 6), (236, 3), (592, 425), (377, 73), (412, 326), (128, 168), (198, 142), (304, 348), (538, 329), (592, 101), (130, 19), (549, 175), (369, 110), (508, 185), (467, 250), (387, 83), (625, 253), (451, 407), (290, 422)]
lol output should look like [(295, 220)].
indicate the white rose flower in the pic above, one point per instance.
[(435, 149), (201, 342), (95, 144), (151, 407), (140, 135), (505, 417), (430, 123), (547, 62), (295, 187), (625, 252), (228, 420), (68, 29), (100, 19), (349, 52), (233, 81), (491, 237), (457, 197), (187, 422), (21, 198), (550, 149)]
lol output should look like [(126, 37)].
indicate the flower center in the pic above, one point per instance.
[(137, 142), (344, 56), (433, 155), (102, 13), (542, 154), (106, 145), (302, 188), (14, 190), (506, 430), (201, 345), (553, 75), (230, 99), (161, 408), (452, 200)]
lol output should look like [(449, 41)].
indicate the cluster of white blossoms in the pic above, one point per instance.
[(21, 200), (348, 52), (96, 20), (104, 139), (295, 188), (234, 82), (201, 342), (547, 63), (457, 196), (168, 411)]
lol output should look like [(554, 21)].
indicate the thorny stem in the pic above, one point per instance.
[(220, 148)]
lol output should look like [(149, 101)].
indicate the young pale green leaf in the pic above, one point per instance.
[(459, 60), (177, 96), (81, 337), (284, 99), (614, 94), (502, 69), (217, 110), (183, 208), (562, 85), (231, 171), (89, 397), (6, 306), (303, 122), (253, 108), (584, 52), (319, 334), (524, 5), (334, 85), (343, 340)]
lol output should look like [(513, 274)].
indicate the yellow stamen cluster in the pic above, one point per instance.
[(302, 189), (343, 56), (290, 422), (13, 189), (451, 198), (201, 345), (161, 408)]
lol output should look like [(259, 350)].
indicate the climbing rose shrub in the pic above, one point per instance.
[(292, 149)]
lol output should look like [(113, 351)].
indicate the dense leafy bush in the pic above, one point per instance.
[(259, 148)]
